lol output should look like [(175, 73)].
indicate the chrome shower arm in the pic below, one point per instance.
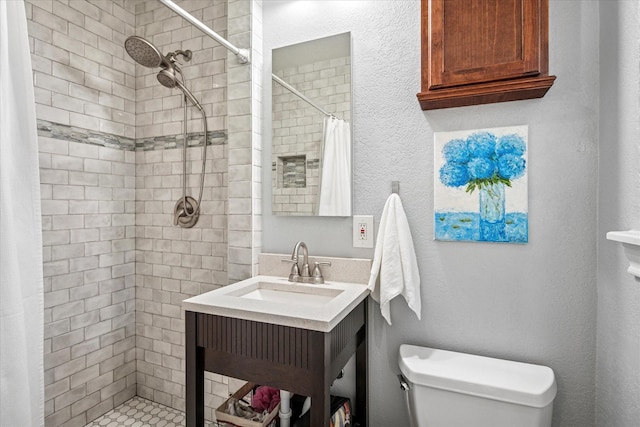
[(173, 56)]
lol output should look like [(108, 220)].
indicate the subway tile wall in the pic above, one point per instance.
[(245, 143), (116, 268), (159, 109), (82, 75), (298, 129), (83, 80), (257, 68), (88, 217), (173, 263)]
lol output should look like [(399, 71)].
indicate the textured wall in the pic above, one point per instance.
[(533, 302), (618, 367)]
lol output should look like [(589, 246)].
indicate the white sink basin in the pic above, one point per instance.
[(275, 300), (281, 293)]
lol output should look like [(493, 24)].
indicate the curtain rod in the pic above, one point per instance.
[(300, 95), (241, 54)]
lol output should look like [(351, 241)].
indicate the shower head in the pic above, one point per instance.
[(167, 78), (144, 53)]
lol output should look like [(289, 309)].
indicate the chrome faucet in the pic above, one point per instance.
[(295, 256), (303, 273)]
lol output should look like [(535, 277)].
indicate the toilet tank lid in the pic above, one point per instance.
[(498, 379)]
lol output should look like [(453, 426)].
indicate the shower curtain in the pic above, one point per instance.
[(335, 182), (21, 283)]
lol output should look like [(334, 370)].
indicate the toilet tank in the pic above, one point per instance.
[(456, 389)]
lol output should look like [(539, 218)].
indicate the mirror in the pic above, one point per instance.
[(311, 128)]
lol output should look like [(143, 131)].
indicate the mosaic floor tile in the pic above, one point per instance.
[(139, 412)]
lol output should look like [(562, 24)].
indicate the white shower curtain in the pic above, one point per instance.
[(21, 284), (335, 182)]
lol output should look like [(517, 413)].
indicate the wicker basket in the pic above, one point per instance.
[(222, 415)]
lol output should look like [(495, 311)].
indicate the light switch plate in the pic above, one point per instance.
[(363, 233)]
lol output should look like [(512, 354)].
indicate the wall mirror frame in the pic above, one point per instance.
[(311, 148)]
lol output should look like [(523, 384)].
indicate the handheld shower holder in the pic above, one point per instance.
[(187, 209)]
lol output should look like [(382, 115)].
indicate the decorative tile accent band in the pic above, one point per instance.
[(194, 139), (311, 164), (86, 136)]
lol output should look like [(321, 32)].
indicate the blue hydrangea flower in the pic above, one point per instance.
[(481, 144), (511, 166), (481, 168), (455, 151), (454, 175), (511, 144)]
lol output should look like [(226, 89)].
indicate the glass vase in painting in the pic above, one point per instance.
[(492, 212)]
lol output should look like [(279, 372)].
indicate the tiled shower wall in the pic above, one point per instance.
[(298, 130), (159, 109), (173, 263), (82, 75), (84, 89), (245, 142), (89, 243), (108, 211)]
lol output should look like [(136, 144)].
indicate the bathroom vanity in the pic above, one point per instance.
[(295, 337)]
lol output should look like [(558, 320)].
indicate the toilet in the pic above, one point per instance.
[(450, 389)]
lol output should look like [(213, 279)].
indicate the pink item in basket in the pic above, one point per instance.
[(265, 398)]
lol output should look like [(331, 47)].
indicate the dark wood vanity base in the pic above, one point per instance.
[(298, 360)]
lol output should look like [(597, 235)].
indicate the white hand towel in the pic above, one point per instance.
[(395, 261)]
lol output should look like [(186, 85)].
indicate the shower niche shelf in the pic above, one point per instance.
[(631, 243), (292, 171)]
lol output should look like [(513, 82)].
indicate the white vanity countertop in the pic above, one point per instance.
[(307, 313)]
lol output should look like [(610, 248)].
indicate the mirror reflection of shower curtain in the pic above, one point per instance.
[(335, 181), (21, 283)]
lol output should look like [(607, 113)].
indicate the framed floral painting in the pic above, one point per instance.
[(481, 185)]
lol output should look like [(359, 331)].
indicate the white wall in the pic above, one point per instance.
[(618, 355), (534, 302)]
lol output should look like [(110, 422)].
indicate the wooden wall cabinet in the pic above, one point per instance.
[(483, 51)]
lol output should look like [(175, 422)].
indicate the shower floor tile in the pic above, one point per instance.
[(139, 412)]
